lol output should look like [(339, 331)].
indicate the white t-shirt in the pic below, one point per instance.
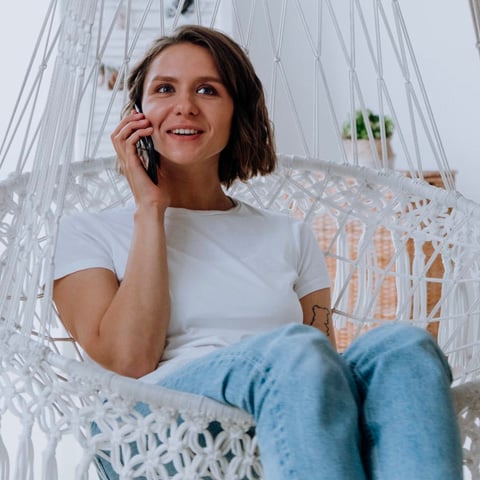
[(232, 273)]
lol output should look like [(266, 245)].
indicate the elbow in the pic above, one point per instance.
[(136, 369), (137, 362), (125, 361), (135, 365)]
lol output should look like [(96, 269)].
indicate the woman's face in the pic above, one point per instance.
[(188, 106)]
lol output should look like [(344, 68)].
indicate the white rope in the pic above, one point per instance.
[(475, 11), (445, 170), (20, 113), (4, 459)]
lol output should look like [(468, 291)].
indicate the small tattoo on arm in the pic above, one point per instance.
[(319, 311)]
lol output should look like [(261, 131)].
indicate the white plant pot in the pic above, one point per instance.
[(365, 155)]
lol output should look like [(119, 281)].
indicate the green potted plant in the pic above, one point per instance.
[(364, 148)]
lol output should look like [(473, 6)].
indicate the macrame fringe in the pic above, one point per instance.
[(81, 470), (4, 459), (25, 455), (50, 468)]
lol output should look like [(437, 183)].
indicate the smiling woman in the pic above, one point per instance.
[(181, 86), (234, 76), (202, 293), (191, 110)]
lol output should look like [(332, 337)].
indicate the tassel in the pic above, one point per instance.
[(4, 459), (81, 470), (24, 462), (50, 468)]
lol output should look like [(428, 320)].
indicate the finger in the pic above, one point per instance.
[(125, 120), (125, 129), (129, 123), (126, 140), (127, 148)]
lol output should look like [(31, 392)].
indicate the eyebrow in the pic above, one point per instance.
[(166, 78)]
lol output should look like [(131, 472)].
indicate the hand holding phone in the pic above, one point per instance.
[(148, 154)]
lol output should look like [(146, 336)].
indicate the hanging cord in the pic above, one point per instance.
[(444, 167), (19, 112), (475, 10)]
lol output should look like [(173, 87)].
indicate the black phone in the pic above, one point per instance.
[(148, 154)]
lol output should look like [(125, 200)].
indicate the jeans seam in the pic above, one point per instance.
[(362, 387)]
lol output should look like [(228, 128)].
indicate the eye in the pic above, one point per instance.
[(164, 88), (206, 90)]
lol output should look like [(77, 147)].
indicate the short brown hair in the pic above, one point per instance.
[(250, 150)]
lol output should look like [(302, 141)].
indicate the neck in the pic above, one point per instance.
[(201, 200), (195, 186), (197, 193)]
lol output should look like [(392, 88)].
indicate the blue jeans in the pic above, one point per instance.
[(382, 410)]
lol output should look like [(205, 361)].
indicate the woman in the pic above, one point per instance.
[(195, 291)]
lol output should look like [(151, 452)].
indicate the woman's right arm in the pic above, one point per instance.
[(123, 326)]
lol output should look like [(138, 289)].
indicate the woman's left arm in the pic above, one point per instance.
[(317, 312)]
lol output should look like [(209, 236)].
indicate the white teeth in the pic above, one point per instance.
[(184, 131)]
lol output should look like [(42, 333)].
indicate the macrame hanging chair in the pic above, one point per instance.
[(398, 248)]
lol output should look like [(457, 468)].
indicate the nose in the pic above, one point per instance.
[(186, 104)]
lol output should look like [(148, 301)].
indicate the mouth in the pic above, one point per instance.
[(184, 132)]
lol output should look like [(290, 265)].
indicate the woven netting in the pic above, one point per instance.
[(67, 398), (397, 248)]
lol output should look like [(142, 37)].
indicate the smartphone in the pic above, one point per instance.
[(148, 154)]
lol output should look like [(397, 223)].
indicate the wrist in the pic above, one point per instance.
[(150, 212)]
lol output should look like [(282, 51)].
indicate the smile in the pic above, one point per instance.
[(185, 131)]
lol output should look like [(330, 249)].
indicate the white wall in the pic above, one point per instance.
[(443, 35)]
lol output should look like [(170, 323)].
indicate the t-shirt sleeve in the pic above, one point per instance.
[(80, 245), (312, 268)]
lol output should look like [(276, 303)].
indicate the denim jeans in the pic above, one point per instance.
[(382, 410)]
